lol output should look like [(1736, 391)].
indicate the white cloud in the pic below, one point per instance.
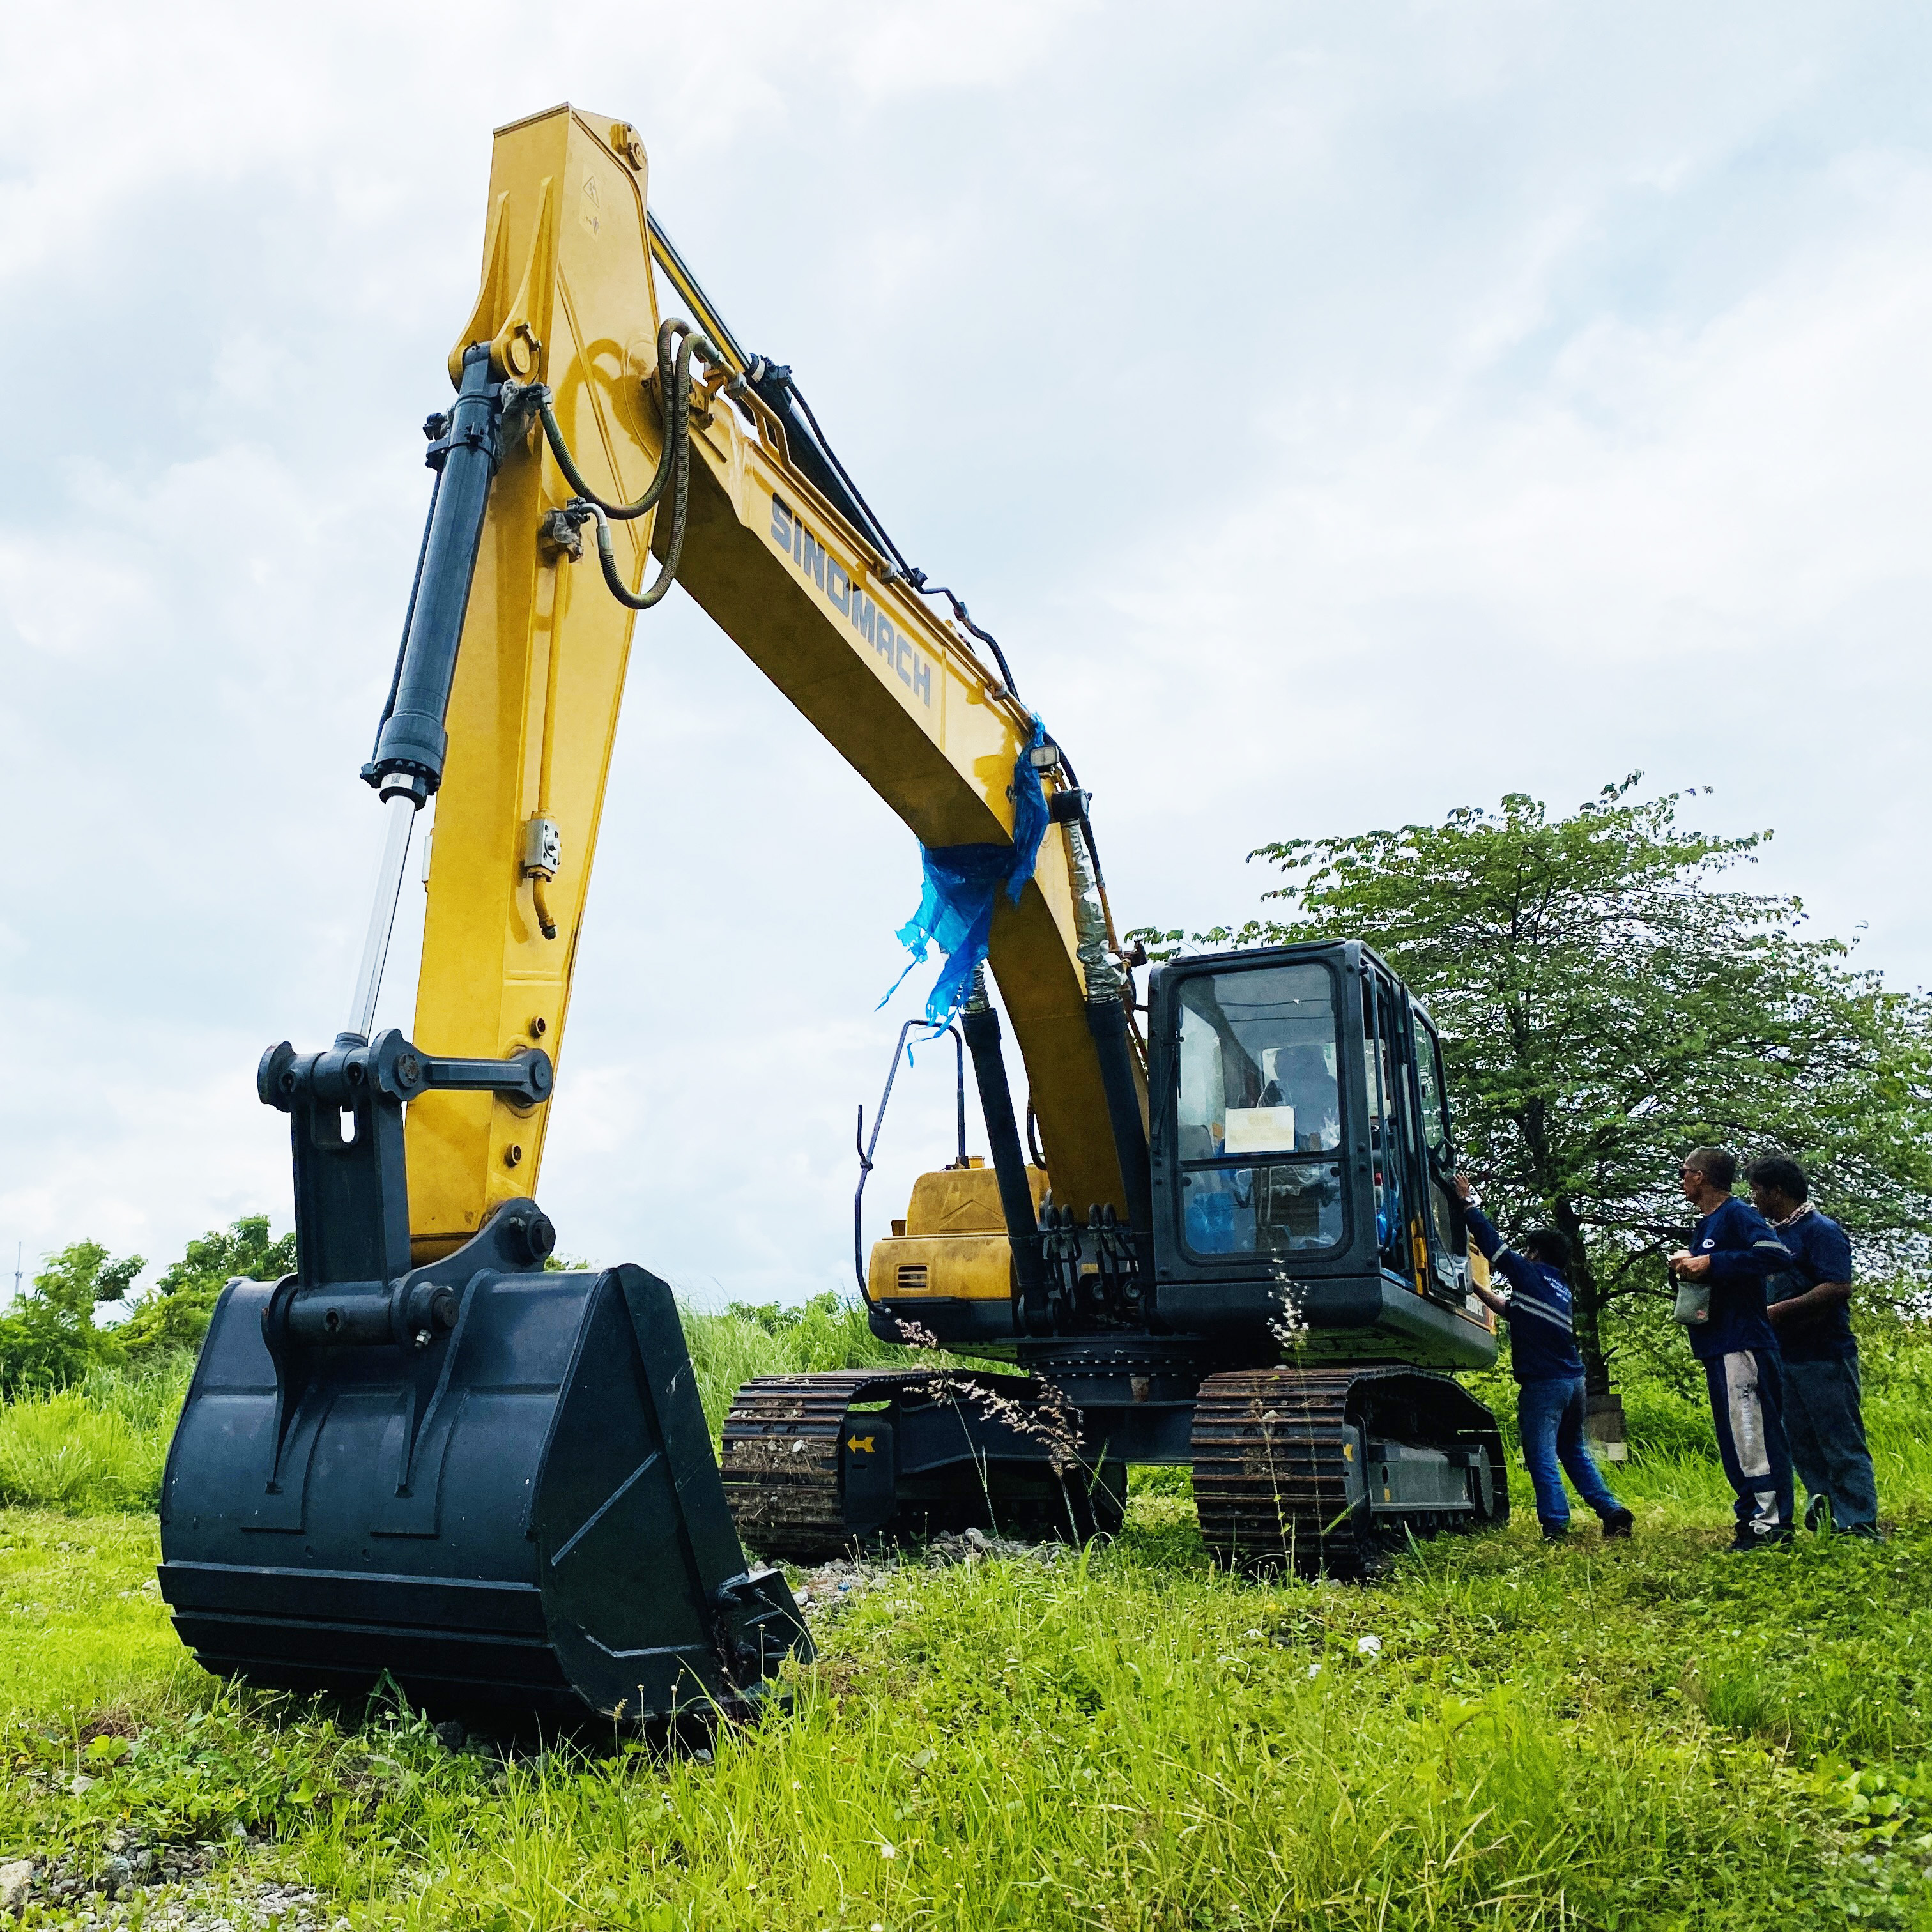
[(1340, 416)]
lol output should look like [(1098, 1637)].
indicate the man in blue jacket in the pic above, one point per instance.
[(1733, 1249), (1549, 1371), (1810, 1312)]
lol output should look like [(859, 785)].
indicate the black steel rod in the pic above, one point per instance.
[(413, 740), (1002, 1133), (1107, 1020)]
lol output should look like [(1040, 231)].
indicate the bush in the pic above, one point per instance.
[(49, 1340), (174, 1315)]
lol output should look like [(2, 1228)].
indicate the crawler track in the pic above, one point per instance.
[(1273, 1483), (781, 1465), (967, 1455)]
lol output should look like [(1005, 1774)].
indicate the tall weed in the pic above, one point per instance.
[(827, 1333), (100, 1445)]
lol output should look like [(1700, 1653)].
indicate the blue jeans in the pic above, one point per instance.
[(1827, 1435), (1550, 1416)]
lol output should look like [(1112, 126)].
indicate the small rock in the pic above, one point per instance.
[(114, 1874), (452, 1734), (14, 1880)]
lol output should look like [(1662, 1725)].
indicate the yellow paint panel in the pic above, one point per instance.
[(964, 1201), (961, 1267)]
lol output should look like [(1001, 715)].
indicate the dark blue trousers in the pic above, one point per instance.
[(1748, 1406), (1826, 1429)]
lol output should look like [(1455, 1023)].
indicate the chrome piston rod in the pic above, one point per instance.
[(400, 809)]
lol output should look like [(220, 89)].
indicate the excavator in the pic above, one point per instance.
[(1225, 1241)]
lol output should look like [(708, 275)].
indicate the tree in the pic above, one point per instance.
[(1605, 1006), (50, 1339), (175, 1313)]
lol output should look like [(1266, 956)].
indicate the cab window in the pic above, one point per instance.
[(1258, 1108)]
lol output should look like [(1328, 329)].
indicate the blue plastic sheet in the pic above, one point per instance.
[(963, 883)]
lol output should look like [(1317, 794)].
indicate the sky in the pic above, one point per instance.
[(1341, 413)]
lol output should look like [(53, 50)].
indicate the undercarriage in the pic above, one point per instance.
[(1311, 1469)]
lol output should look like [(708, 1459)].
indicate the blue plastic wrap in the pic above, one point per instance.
[(962, 884)]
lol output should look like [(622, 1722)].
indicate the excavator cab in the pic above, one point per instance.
[(1301, 1158)]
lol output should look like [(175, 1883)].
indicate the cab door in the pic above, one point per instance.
[(1394, 1147), (1448, 1232)]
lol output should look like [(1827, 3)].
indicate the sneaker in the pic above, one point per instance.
[(1619, 1522), (1555, 1532), (1749, 1539)]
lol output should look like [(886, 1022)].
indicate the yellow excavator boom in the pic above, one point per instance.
[(567, 299)]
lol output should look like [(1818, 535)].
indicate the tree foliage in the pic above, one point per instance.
[(1608, 1001), (49, 1339), (175, 1312)]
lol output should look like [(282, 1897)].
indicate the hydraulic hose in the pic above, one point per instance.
[(540, 903), (674, 469), (674, 387), (607, 557)]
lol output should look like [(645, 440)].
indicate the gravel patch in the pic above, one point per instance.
[(823, 1590)]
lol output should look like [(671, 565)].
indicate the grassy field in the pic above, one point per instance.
[(1495, 1733)]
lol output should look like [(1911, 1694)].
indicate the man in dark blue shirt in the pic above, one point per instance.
[(1810, 1310), (1732, 1250), (1549, 1371)]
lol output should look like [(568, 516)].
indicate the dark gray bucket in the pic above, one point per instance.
[(511, 1502)]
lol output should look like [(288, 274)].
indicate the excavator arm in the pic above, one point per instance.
[(797, 580)]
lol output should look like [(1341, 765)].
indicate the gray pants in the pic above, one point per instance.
[(1827, 1434)]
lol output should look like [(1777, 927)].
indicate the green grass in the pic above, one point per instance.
[(828, 1332), (1654, 1734), (99, 1446), (102, 1444)]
